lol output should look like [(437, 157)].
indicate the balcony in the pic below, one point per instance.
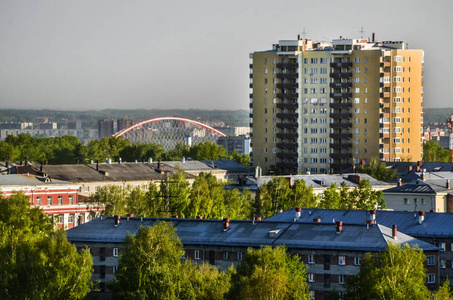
[(287, 165), (341, 64), (287, 105), (341, 84), (287, 115), (340, 166), (287, 145), (251, 96), (251, 115), (341, 105), (340, 95), (385, 104), (287, 125), (287, 75), (287, 95), (341, 135), (287, 135), (341, 146), (251, 75), (251, 104), (293, 85), (341, 115), (287, 65), (340, 125), (385, 64), (384, 95), (340, 155), (287, 155), (341, 74), (251, 85)]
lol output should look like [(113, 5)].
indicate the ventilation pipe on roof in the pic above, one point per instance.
[(97, 166), (317, 220), (394, 232), (339, 226), (423, 175), (421, 217), (372, 216), (298, 210), (176, 216), (7, 167), (26, 161), (150, 160), (448, 185), (117, 220), (119, 160), (399, 183), (183, 159), (226, 224), (410, 169)]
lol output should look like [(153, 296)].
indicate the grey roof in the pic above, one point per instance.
[(417, 187), (228, 165), (31, 180), (251, 234), (190, 165), (433, 225), (315, 180), (107, 172)]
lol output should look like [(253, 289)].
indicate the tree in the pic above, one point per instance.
[(37, 262), (432, 152), (243, 159), (302, 196), (397, 273), (330, 198), (150, 266), (444, 292), (269, 273), (378, 170)]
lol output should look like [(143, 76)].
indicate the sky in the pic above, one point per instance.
[(99, 54)]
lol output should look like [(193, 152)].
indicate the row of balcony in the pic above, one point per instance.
[(340, 155), (340, 95), (341, 84), (287, 105), (287, 165), (287, 125), (286, 155), (340, 125), (341, 146), (288, 75), (287, 115), (341, 115), (341, 74), (287, 145), (341, 64), (341, 135), (287, 95), (287, 65), (293, 85), (341, 105), (287, 135)]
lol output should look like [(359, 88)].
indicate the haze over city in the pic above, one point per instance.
[(147, 54)]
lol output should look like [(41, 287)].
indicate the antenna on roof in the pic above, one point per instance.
[(304, 33), (361, 32)]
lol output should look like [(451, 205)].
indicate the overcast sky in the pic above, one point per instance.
[(97, 54)]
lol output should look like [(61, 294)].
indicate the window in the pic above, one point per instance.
[(396, 120), (71, 199), (226, 255), (71, 218), (323, 70), (116, 252), (341, 279), (357, 110), (397, 89), (323, 160), (323, 91), (357, 261), (397, 58), (314, 60), (431, 260), (313, 80), (397, 79), (102, 253), (115, 269), (311, 259), (356, 141), (311, 277), (431, 278), (357, 70), (313, 91), (313, 71), (240, 256), (443, 246), (357, 90), (274, 61), (265, 80), (305, 60), (38, 200), (443, 263), (357, 60), (356, 131), (357, 80), (60, 200), (357, 100), (49, 200), (86, 189), (265, 61), (323, 60), (311, 294), (396, 99), (265, 70), (341, 260), (102, 271), (196, 254)]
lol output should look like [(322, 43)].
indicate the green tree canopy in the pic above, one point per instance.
[(269, 273), (378, 169), (37, 262), (397, 273), (432, 152)]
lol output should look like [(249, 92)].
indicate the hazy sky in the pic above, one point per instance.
[(96, 54)]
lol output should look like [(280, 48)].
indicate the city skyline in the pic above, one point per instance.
[(128, 55)]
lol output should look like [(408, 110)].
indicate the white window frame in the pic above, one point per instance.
[(116, 252), (240, 256), (430, 260), (341, 279), (196, 254), (341, 260), (311, 277), (357, 261), (431, 278), (311, 259)]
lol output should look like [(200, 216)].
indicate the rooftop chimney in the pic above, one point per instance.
[(339, 226), (423, 175), (420, 163), (373, 37), (399, 183), (158, 164), (355, 178), (226, 224), (199, 217), (183, 159), (258, 218), (421, 217), (373, 214), (317, 220), (410, 169), (117, 220), (298, 210), (176, 216), (394, 232), (97, 165), (448, 185), (418, 168)]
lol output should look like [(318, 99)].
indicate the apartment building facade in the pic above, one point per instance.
[(320, 107)]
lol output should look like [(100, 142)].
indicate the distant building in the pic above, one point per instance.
[(16, 125), (48, 125), (124, 123), (106, 128), (240, 144)]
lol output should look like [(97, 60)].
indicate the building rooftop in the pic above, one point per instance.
[(353, 237), (16, 180)]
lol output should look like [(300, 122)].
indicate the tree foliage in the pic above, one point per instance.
[(432, 152), (378, 170), (269, 273), (397, 273), (36, 262), (444, 292)]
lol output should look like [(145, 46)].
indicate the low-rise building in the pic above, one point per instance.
[(332, 251)]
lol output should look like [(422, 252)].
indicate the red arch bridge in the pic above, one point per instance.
[(169, 131)]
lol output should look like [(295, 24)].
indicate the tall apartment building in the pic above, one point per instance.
[(124, 123), (106, 128), (321, 107)]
